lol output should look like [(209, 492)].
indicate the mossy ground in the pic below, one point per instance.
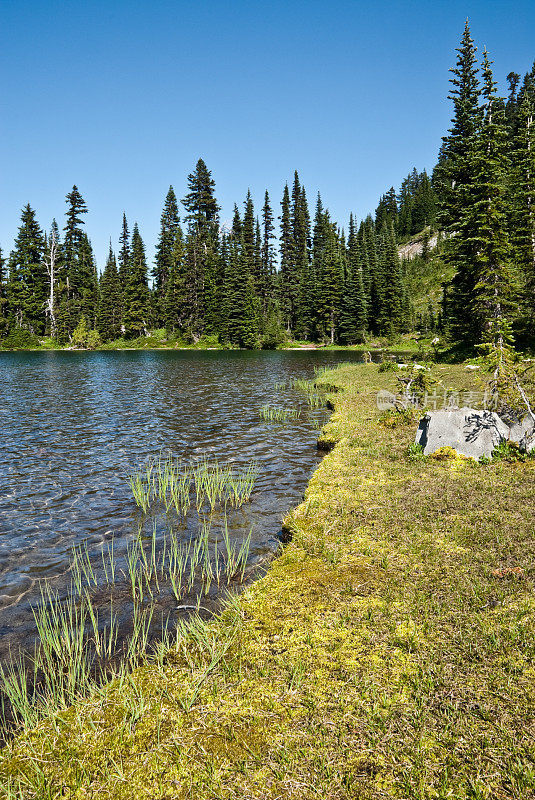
[(387, 653)]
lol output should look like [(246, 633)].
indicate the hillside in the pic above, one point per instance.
[(424, 277)]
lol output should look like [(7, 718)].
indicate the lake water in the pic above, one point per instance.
[(73, 426)]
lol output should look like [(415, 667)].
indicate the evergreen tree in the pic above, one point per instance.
[(268, 257), (124, 252), (523, 199), (305, 311), (330, 281), (110, 301), (455, 179), (169, 224), (287, 253), (26, 286), (201, 259), (136, 291), (3, 298), (493, 297), (176, 293), (391, 312), (353, 314), (78, 289)]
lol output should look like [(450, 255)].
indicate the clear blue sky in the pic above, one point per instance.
[(122, 97)]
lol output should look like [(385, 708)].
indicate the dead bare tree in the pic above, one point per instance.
[(50, 264)]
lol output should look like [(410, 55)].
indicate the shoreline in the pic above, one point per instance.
[(384, 654)]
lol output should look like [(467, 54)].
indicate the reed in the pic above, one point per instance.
[(277, 414), (76, 650), (169, 483)]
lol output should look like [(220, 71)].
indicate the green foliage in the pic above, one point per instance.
[(415, 452), (85, 337), (509, 380), (511, 453), (20, 339)]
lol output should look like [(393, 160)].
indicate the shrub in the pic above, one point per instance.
[(85, 337), (20, 339)]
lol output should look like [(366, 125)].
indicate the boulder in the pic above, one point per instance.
[(523, 433), (469, 431)]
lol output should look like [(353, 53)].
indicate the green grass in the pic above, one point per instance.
[(167, 482), (387, 653)]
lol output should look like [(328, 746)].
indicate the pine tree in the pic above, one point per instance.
[(202, 262), (3, 298), (493, 296), (26, 288), (110, 301), (176, 292), (287, 254), (455, 180), (268, 253), (169, 223), (353, 314), (136, 292), (523, 199)]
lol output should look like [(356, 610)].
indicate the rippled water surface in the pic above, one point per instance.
[(74, 425)]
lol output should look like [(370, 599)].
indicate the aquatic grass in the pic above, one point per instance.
[(169, 482), (278, 414), (77, 650)]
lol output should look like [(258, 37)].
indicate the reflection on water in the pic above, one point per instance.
[(73, 426)]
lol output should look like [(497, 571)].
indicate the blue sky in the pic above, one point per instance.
[(123, 97)]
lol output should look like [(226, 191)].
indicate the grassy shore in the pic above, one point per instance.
[(387, 653)]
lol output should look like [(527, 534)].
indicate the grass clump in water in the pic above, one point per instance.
[(278, 415), (208, 484)]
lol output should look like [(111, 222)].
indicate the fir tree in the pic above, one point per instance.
[(176, 293), (110, 301), (26, 286), (268, 253), (201, 259), (353, 314), (287, 254), (456, 181), (523, 199), (493, 296), (169, 224), (330, 281), (136, 292), (3, 298), (77, 291)]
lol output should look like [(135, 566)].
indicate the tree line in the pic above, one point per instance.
[(236, 284), (298, 274)]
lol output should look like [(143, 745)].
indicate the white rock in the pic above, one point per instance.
[(469, 431)]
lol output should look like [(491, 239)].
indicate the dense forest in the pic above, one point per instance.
[(298, 274)]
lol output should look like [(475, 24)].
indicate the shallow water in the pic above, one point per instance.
[(73, 426)]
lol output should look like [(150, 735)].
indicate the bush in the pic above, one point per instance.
[(20, 339), (84, 336)]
